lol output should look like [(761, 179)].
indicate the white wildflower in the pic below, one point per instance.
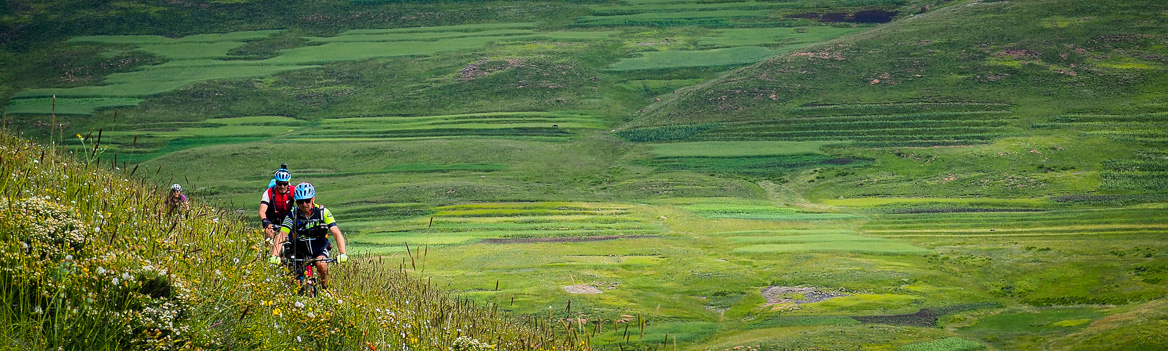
[(100, 270)]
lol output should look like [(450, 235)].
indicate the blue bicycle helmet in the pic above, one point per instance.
[(304, 191), (282, 175)]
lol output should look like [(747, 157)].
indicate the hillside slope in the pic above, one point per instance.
[(91, 261), (1065, 96)]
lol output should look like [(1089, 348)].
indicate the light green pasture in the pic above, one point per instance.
[(468, 223), (675, 6), (859, 302), (191, 51), (66, 106), (884, 201), (440, 29), (678, 17), (156, 39), (199, 57), (166, 77), (467, 121), (738, 148), (820, 238), (350, 36), (834, 246), (336, 51), (703, 58), (774, 36)]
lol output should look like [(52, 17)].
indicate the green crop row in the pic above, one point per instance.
[(738, 148), (758, 165), (439, 133), (908, 116), (897, 108), (1085, 118), (666, 133)]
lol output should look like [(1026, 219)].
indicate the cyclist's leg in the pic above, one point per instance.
[(321, 251), (298, 249)]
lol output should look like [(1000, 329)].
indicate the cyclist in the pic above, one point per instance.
[(175, 199), (276, 203), (310, 224), (283, 167)]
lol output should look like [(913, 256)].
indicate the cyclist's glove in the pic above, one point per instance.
[(273, 260), (267, 222), (342, 258)]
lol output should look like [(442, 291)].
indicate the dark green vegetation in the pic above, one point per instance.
[(681, 158)]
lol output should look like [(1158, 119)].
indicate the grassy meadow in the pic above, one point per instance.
[(629, 175)]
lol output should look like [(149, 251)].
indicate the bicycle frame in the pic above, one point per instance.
[(305, 273)]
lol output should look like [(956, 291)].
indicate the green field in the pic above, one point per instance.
[(658, 174)]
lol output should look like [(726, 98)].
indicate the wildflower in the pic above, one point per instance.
[(276, 312), (298, 304)]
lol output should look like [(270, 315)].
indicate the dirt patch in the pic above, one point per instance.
[(926, 317), (564, 240), (582, 289), (785, 295)]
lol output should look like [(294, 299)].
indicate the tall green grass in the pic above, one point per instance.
[(91, 261)]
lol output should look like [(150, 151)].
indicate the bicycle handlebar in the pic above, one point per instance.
[(310, 260)]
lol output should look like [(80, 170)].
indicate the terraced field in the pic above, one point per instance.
[(527, 125), (873, 125), (502, 223)]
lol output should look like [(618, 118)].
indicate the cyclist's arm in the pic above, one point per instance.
[(281, 235), (334, 229), (264, 208), (264, 213)]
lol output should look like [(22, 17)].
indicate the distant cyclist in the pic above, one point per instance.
[(276, 202), (309, 226), (176, 200), (272, 184)]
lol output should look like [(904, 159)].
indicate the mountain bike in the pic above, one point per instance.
[(305, 269)]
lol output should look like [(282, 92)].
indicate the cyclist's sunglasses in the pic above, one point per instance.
[(281, 183), (303, 201)]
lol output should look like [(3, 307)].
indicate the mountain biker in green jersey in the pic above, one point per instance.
[(309, 226)]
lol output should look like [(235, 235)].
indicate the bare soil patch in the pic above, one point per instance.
[(785, 295), (582, 289)]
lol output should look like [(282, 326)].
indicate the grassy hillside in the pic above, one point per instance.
[(92, 261), (704, 175), (1045, 98)]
